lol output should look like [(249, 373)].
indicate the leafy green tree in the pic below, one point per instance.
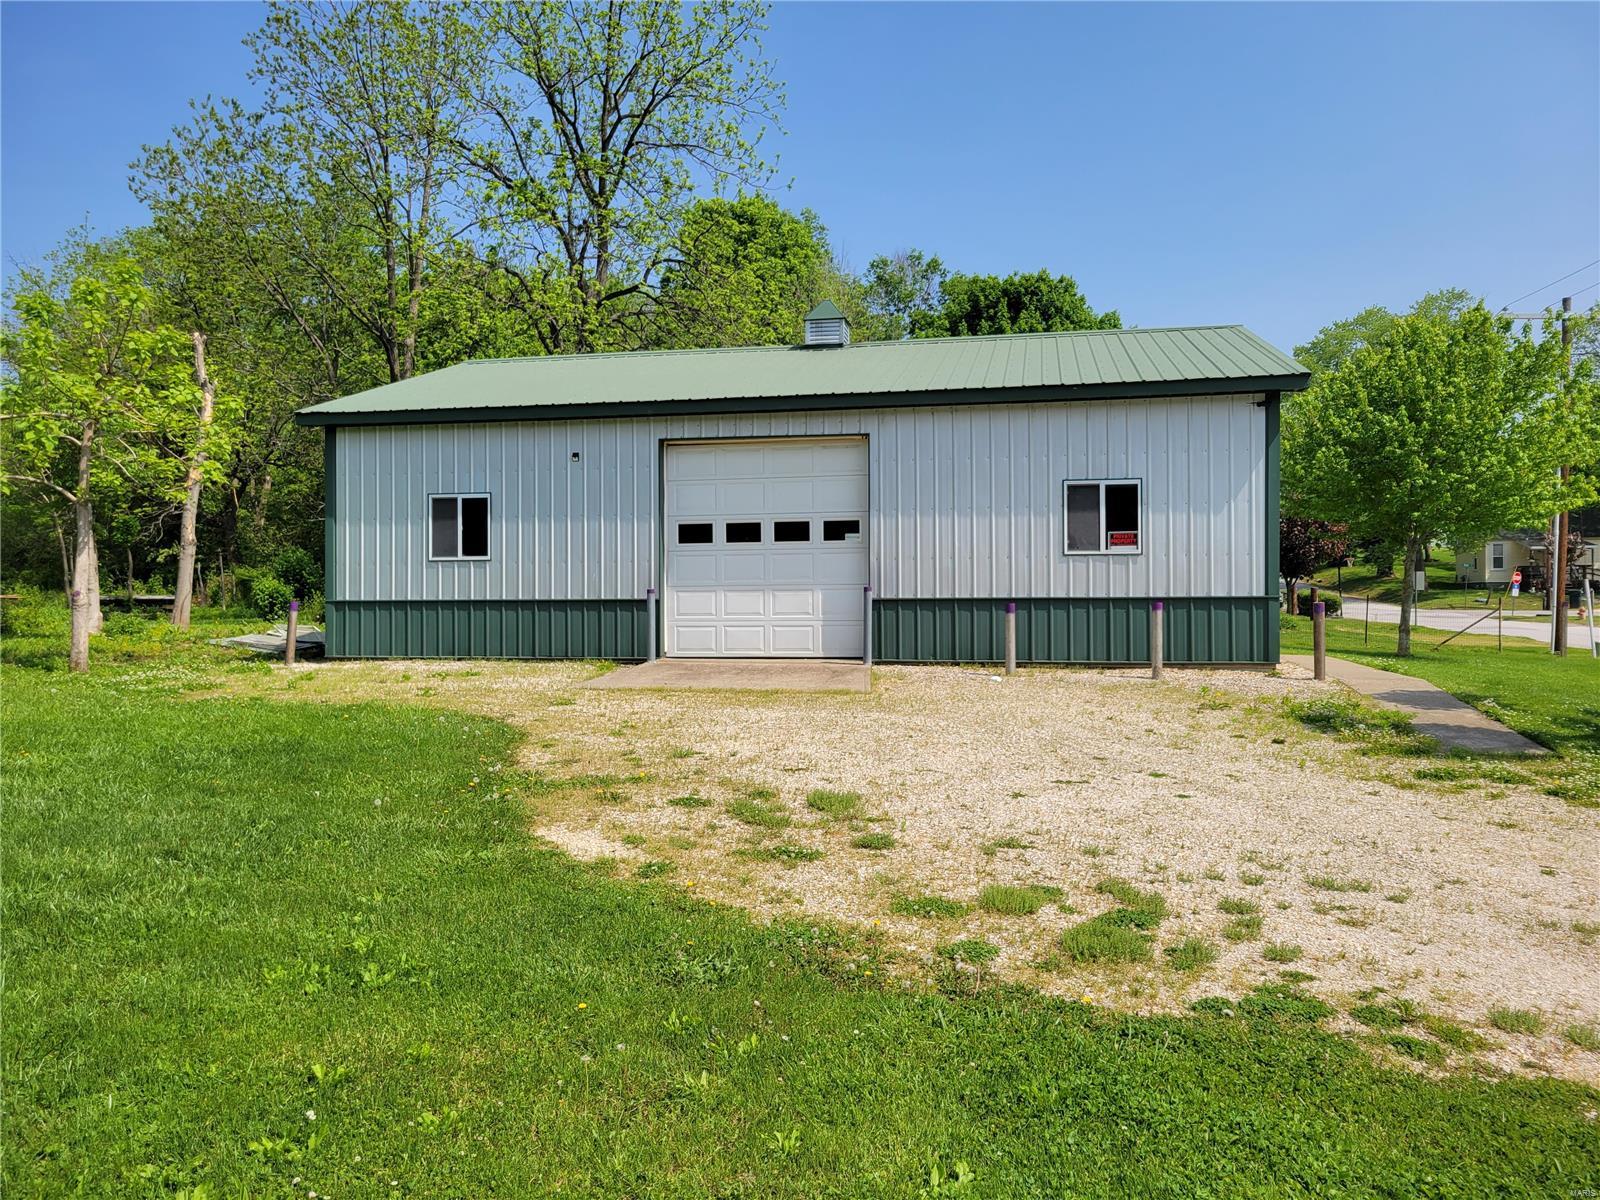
[(749, 271), (98, 393), (339, 190), (594, 138), (894, 290), (1443, 425), (1040, 302)]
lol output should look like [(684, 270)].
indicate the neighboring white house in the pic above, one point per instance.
[(1491, 564)]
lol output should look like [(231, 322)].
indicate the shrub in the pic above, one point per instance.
[(270, 596), (35, 614), (299, 570)]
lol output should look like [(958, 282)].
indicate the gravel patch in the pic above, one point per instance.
[(1459, 897)]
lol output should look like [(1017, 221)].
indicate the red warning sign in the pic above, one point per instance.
[(1516, 577), (1125, 539)]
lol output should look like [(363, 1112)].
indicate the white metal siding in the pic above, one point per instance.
[(966, 500)]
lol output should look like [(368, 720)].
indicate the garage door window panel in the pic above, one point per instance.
[(742, 533), (791, 531), (694, 533), (458, 527)]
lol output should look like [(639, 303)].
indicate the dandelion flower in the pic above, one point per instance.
[(581, 1004)]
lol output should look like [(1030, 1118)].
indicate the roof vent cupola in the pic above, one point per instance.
[(826, 326)]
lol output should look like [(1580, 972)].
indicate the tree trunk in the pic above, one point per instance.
[(82, 567), (97, 614), (66, 555), (183, 590), (1291, 600), (1408, 599)]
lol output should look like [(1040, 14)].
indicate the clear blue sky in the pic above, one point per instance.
[(1276, 165)]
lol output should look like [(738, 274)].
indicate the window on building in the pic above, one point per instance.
[(741, 532), (1103, 516), (694, 533), (841, 530), (458, 527), (791, 531), (1497, 555)]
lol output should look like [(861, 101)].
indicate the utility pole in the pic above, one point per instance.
[(1558, 611)]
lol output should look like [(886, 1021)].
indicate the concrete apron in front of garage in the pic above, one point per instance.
[(746, 674), (1435, 713)]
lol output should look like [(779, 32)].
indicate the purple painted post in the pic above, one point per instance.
[(1319, 640), (866, 624), (1011, 637), (293, 634), (1158, 648)]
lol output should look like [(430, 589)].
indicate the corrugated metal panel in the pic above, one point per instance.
[(487, 629), (1058, 361), (965, 500), (1208, 630)]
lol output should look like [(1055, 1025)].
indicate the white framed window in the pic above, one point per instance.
[(1102, 516), (1497, 556), (458, 527)]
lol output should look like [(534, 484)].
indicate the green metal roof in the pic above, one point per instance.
[(1091, 364)]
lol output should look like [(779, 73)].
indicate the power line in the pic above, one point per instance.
[(1551, 284), (1586, 287)]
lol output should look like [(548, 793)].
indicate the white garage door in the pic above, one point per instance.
[(766, 548)]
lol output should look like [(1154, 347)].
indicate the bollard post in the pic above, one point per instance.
[(650, 620), (293, 634), (1588, 610), (866, 624), (1319, 639), (1011, 637), (1158, 633)]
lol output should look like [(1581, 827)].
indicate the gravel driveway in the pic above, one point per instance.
[(1459, 895)]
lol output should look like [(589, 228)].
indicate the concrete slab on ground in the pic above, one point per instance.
[(1434, 712), (750, 674)]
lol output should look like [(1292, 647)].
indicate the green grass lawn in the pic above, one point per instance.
[(267, 948), (1555, 701), (1442, 592)]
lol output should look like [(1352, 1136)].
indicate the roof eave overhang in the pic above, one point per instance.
[(325, 415)]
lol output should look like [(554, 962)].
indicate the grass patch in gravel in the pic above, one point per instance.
[(1242, 929), (938, 908), (1281, 952), (840, 806), (1118, 935), (783, 852), (1237, 908), (1457, 1037), (1585, 1037), (656, 868), (1425, 1052), (873, 841), (760, 814), (1016, 900), (1191, 954), (1516, 1020), (689, 802), (990, 849), (1333, 883)]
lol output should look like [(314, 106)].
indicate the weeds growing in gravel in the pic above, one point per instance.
[(1281, 952), (1516, 1020), (841, 806), (755, 812), (1191, 954), (1332, 883), (1016, 900), (689, 802), (873, 841), (1585, 1037), (940, 908)]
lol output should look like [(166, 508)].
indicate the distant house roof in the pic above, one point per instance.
[(1085, 365)]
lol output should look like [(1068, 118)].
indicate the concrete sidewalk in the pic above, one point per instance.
[(750, 674), (1434, 712)]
